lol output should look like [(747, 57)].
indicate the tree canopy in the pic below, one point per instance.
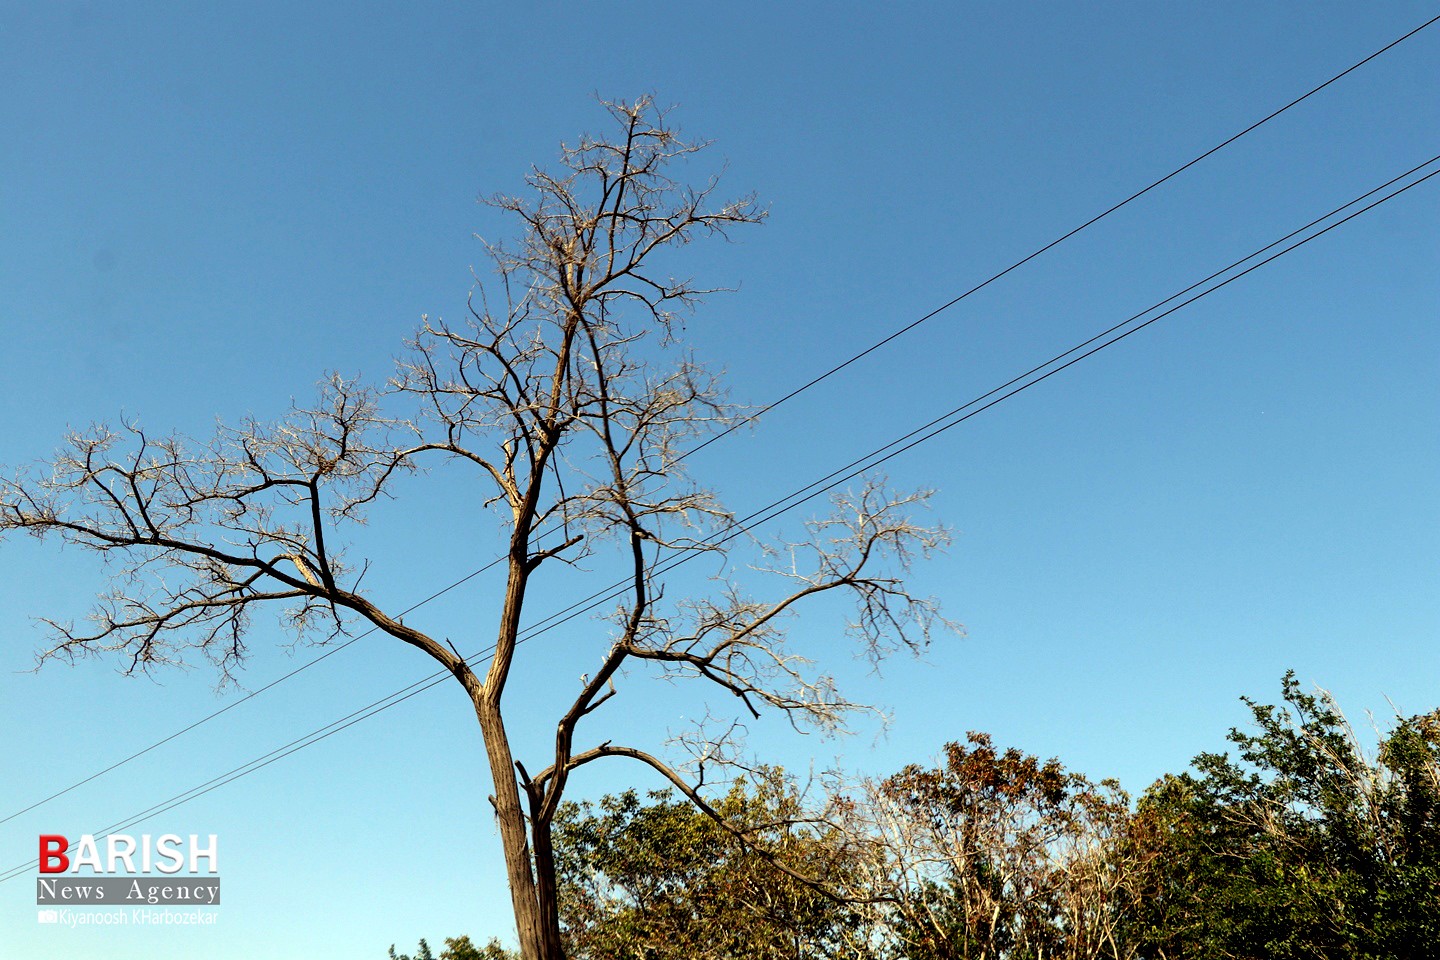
[(1302, 844)]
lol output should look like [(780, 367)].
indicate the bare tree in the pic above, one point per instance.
[(997, 854), (566, 395)]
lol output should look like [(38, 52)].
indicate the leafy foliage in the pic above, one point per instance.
[(658, 879), (459, 948), (1300, 847)]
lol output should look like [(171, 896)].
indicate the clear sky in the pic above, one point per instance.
[(206, 207)]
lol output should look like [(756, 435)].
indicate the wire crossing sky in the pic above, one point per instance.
[(212, 208), (814, 381), (798, 498)]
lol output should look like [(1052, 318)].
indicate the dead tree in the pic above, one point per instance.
[(565, 395)]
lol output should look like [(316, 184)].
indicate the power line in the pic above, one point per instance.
[(776, 508), (765, 409), (905, 442), (249, 696), (1059, 240)]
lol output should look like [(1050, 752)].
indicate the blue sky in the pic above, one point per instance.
[(206, 209)]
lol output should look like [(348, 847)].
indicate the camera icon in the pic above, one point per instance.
[(49, 916)]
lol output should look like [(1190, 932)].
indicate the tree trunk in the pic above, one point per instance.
[(513, 836), (546, 889)]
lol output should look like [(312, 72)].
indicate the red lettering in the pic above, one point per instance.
[(52, 853)]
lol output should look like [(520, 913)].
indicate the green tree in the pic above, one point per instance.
[(1301, 846), (459, 948), (422, 953), (654, 879)]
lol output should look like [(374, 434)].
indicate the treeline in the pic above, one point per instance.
[(1304, 844)]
